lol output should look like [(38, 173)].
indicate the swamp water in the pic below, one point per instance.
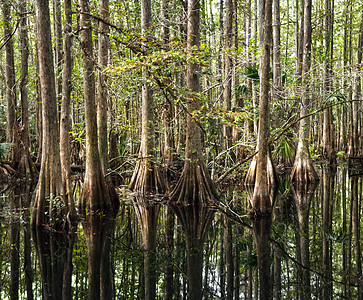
[(308, 249)]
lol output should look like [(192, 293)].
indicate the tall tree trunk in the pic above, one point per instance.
[(26, 166), (276, 50), (328, 139), (65, 111), (227, 70), (11, 128), (261, 202), (146, 178), (303, 169), (195, 185), (96, 193), (49, 191), (102, 93)]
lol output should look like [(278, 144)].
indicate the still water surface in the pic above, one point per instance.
[(309, 248)]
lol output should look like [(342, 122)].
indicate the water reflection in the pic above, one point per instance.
[(309, 248), (195, 222), (54, 253)]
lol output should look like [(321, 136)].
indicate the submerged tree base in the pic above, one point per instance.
[(194, 187), (147, 179)]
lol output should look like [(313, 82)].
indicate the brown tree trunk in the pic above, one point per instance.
[(26, 166), (195, 185), (303, 169), (11, 127), (228, 69), (49, 192), (261, 202), (96, 193), (146, 178), (102, 92), (65, 111), (261, 231)]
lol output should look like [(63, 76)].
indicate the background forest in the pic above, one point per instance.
[(111, 103)]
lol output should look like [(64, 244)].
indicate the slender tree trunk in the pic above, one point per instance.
[(169, 236), (276, 50), (102, 93), (65, 111), (303, 169), (26, 166), (261, 202), (146, 178)]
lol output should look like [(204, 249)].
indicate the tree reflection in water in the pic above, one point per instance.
[(309, 250)]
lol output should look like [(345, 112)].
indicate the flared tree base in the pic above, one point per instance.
[(272, 179), (303, 171), (194, 187), (147, 179), (98, 196)]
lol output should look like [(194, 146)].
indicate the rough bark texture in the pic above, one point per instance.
[(227, 76), (146, 178), (65, 110), (195, 186), (261, 200), (49, 191), (26, 167), (9, 73), (96, 194), (303, 169), (102, 93)]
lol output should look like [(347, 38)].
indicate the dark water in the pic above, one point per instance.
[(308, 249)]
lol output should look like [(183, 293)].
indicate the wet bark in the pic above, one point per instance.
[(169, 241)]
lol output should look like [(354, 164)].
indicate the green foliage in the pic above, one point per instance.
[(5, 149), (285, 150)]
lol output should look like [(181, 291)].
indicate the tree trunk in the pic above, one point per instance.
[(261, 202), (65, 112), (146, 178), (303, 169), (96, 194), (195, 185), (102, 93), (49, 192), (228, 69), (11, 127), (26, 166)]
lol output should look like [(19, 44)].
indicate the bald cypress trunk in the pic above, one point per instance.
[(195, 185), (303, 169), (146, 178), (96, 194), (49, 202)]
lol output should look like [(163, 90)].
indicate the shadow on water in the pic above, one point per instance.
[(309, 248)]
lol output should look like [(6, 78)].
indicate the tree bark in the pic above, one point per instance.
[(97, 195), (303, 169), (65, 111), (146, 178), (195, 185), (49, 191)]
